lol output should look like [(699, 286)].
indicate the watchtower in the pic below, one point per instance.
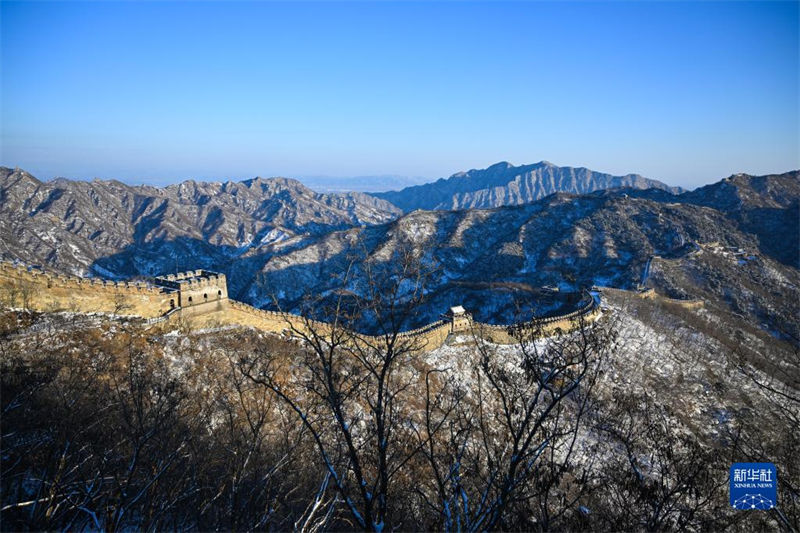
[(196, 291), (460, 319)]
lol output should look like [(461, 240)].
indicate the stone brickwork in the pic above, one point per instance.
[(201, 297), (650, 294), (196, 292), (427, 338), (33, 288)]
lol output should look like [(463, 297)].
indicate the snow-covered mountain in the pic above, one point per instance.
[(487, 258), (505, 184), (71, 225), (278, 241)]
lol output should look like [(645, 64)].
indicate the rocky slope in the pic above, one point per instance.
[(278, 241), (72, 225), (504, 184), (488, 259), (766, 206)]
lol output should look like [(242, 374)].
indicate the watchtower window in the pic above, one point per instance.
[(190, 299), (205, 296), (219, 293)]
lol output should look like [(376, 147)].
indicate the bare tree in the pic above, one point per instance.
[(352, 390), (509, 451), (772, 436), (11, 293), (110, 436), (121, 303), (255, 459), (662, 478)]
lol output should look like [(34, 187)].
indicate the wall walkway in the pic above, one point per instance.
[(23, 286)]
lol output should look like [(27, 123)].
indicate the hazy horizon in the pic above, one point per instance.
[(156, 93), (333, 183)]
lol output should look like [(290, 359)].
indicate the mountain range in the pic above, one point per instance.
[(278, 241), (488, 258), (69, 225)]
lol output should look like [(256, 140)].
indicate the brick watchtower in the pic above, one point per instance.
[(196, 292)]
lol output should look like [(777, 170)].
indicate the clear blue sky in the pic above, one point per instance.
[(157, 92)]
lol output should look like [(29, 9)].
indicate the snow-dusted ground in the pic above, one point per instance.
[(671, 358), (657, 354)]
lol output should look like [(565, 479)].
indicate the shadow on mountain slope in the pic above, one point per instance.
[(164, 256)]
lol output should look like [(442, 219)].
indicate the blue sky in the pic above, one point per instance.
[(156, 92)]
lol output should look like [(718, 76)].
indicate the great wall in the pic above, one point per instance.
[(200, 298)]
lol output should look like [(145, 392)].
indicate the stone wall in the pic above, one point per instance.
[(510, 333), (650, 294), (22, 286), (431, 336), (426, 338), (42, 291), (686, 304)]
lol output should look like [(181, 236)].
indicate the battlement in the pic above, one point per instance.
[(35, 273), (32, 287), (191, 279), (203, 296), (196, 291)]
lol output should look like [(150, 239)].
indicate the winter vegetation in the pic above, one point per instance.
[(628, 423)]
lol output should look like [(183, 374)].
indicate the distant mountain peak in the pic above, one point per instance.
[(501, 165), (505, 184), (747, 191)]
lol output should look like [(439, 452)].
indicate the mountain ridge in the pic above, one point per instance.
[(275, 237), (569, 242), (505, 184), (70, 224)]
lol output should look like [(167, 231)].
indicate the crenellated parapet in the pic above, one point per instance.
[(277, 320), (649, 293), (36, 274), (202, 296), (35, 288), (511, 333), (433, 335), (200, 290)]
